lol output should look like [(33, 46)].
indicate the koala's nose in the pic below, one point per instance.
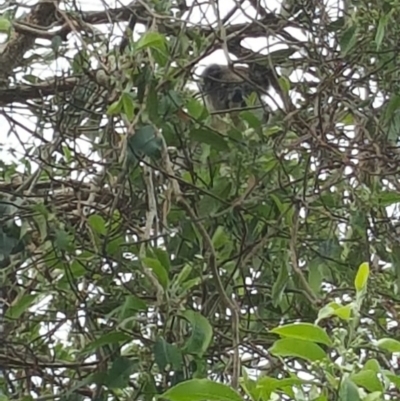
[(237, 96)]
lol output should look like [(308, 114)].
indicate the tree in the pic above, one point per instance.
[(143, 253)]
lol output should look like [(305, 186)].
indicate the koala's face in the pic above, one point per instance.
[(224, 89)]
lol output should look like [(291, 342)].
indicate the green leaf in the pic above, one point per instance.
[(200, 390), (251, 118), (388, 198), (280, 284), (195, 108), (163, 257), (215, 140), (392, 378), (202, 333), (167, 355), (298, 348), (391, 107), (388, 344), (158, 269), (114, 337), (348, 39), (284, 83), (63, 241), (19, 306), (5, 25), (372, 364), (144, 142), (115, 108), (151, 39), (7, 245), (367, 379), (265, 386), (149, 388), (348, 391), (131, 305), (75, 270), (344, 312), (97, 223), (119, 373), (380, 31), (335, 309), (219, 237), (362, 277), (128, 105), (375, 396), (304, 331), (315, 276)]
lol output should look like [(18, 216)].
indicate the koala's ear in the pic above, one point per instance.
[(213, 71), (260, 75)]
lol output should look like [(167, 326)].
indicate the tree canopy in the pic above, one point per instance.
[(145, 254)]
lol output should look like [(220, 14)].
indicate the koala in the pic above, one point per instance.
[(225, 89)]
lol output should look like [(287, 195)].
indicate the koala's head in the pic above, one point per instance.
[(224, 88)]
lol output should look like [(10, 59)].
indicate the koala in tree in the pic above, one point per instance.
[(225, 89)]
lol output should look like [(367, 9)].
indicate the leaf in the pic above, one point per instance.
[(144, 142), (5, 25), (202, 333), (151, 39), (63, 241), (97, 223), (149, 389), (388, 198), (158, 269), (251, 118), (114, 108), (163, 257), (219, 237), (304, 331), (7, 245), (332, 309), (267, 385), (348, 39), (75, 270), (156, 42), (380, 31), (348, 391), (183, 275), (367, 379), (315, 276), (372, 364), (215, 140), (19, 306), (200, 390), (361, 277), (131, 305), (284, 83), (388, 344), (114, 337), (344, 312), (195, 108), (278, 289), (119, 373), (298, 348), (375, 396), (167, 355), (128, 105), (392, 378)]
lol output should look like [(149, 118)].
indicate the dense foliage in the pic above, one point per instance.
[(145, 254)]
